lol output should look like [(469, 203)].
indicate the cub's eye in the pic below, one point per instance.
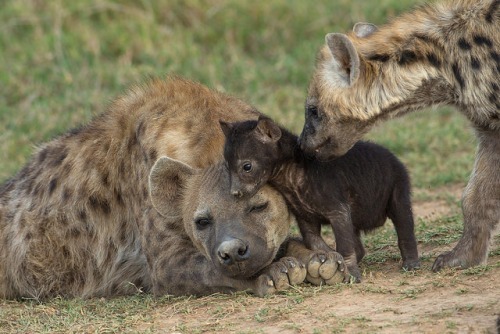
[(247, 167), (312, 111), (203, 223), (259, 208)]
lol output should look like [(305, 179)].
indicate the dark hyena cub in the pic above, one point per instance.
[(354, 193)]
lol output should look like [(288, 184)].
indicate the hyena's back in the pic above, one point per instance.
[(71, 219)]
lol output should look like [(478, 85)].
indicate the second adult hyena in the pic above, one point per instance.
[(78, 219), (443, 53)]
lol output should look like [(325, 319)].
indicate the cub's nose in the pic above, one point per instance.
[(231, 251)]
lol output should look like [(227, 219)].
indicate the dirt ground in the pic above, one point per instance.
[(387, 301)]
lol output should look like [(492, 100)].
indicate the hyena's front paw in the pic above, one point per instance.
[(280, 275), (450, 259), (326, 268)]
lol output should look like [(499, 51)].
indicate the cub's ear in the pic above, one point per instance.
[(346, 64), (166, 181), (267, 131), (363, 29), (226, 128)]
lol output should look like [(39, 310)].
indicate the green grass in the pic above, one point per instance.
[(62, 62)]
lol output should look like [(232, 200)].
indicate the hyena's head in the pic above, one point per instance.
[(251, 152), (240, 236), (359, 79)]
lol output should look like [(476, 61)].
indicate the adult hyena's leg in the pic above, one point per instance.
[(480, 205)]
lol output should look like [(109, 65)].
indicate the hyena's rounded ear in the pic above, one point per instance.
[(267, 130), (363, 29), (166, 181), (226, 128), (346, 67)]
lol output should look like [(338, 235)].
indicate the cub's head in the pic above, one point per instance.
[(240, 236), (251, 152)]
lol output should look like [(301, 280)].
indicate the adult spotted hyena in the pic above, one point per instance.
[(446, 53), (79, 220)]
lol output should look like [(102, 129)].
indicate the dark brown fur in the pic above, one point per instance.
[(354, 193)]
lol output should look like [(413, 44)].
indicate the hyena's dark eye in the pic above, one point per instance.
[(259, 208), (203, 223), (247, 167)]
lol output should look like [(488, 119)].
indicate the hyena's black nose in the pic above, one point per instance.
[(233, 250)]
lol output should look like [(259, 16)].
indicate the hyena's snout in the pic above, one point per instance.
[(233, 251)]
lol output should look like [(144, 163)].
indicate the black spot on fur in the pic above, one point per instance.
[(495, 56), (160, 237), (407, 57), (382, 57), (458, 75), (74, 232), (105, 179), (140, 130), (132, 142), (42, 155), (65, 252), (75, 131), (493, 98), (59, 158), (121, 169), (489, 14), (463, 44), (494, 86), (482, 40), (28, 236), (433, 60), (82, 215), (118, 197), (123, 232), (52, 185), (474, 63), (99, 203), (63, 219), (66, 195), (153, 155)]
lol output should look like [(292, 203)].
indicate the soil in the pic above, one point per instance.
[(387, 301)]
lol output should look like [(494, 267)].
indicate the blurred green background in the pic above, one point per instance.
[(62, 61)]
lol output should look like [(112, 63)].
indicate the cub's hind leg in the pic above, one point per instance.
[(400, 212)]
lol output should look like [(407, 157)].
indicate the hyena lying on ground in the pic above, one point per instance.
[(79, 219), (446, 53), (354, 193)]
